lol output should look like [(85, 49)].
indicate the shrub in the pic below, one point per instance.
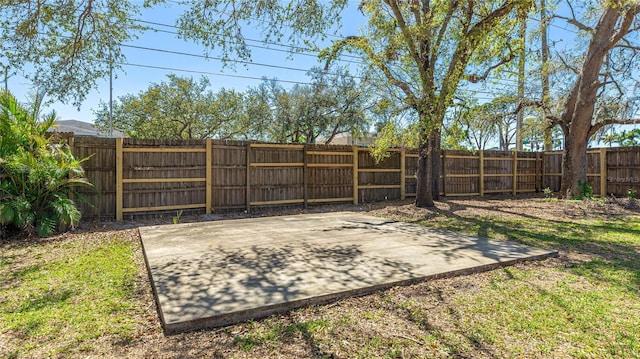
[(586, 191), (38, 178), (548, 192)]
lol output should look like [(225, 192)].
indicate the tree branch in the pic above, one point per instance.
[(362, 44), (475, 78), (567, 65), (626, 44), (465, 49), (574, 22), (555, 120), (443, 29), (415, 10), (625, 26), (408, 38), (614, 121)]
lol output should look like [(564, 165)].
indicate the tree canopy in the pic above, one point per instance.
[(182, 108), (333, 103), (65, 46), (600, 70), (185, 108)]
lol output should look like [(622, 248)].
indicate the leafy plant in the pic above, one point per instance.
[(38, 178), (631, 193), (176, 218), (586, 191), (548, 192)]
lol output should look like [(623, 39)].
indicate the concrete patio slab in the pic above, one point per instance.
[(218, 273)]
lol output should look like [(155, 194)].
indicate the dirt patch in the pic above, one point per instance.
[(510, 207)]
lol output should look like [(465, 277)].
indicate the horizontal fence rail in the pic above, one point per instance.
[(139, 177)]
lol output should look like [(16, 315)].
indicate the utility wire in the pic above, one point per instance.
[(295, 48), (221, 59), (260, 64), (244, 77), (270, 48), (209, 73), (213, 58)]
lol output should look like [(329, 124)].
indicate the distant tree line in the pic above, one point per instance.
[(186, 108)]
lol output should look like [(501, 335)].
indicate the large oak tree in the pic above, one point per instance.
[(424, 48), (607, 63)]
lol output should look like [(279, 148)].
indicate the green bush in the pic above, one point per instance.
[(586, 191), (38, 178)]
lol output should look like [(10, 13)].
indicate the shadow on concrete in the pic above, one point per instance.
[(228, 281), (219, 273)]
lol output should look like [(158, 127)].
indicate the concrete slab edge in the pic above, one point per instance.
[(266, 311), (153, 285)]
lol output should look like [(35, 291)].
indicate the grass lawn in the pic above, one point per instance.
[(87, 294)]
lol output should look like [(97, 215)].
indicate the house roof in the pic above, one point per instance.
[(81, 128)]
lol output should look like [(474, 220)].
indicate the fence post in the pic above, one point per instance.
[(538, 178), (544, 170), (403, 176), (444, 173), (355, 174), (209, 177), (515, 173), (119, 170), (248, 189), (305, 176), (603, 172), (71, 143), (481, 169)]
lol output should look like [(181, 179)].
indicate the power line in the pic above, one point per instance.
[(221, 59), (209, 73), (553, 25), (269, 48), (265, 48), (255, 63), (292, 47), (213, 58)]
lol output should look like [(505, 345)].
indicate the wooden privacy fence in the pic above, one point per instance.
[(135, 176)]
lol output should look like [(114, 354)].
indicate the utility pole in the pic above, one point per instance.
[(548, 143), (521, 75), (110, 96)]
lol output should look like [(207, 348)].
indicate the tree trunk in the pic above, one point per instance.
[(579, 107), (428, 174), (424, 193), (576, 139), (574, 166), (436, 163)]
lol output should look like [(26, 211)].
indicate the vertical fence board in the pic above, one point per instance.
[(356, 180), (119, 186)]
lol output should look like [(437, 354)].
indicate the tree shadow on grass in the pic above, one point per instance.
[(611, 245)]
